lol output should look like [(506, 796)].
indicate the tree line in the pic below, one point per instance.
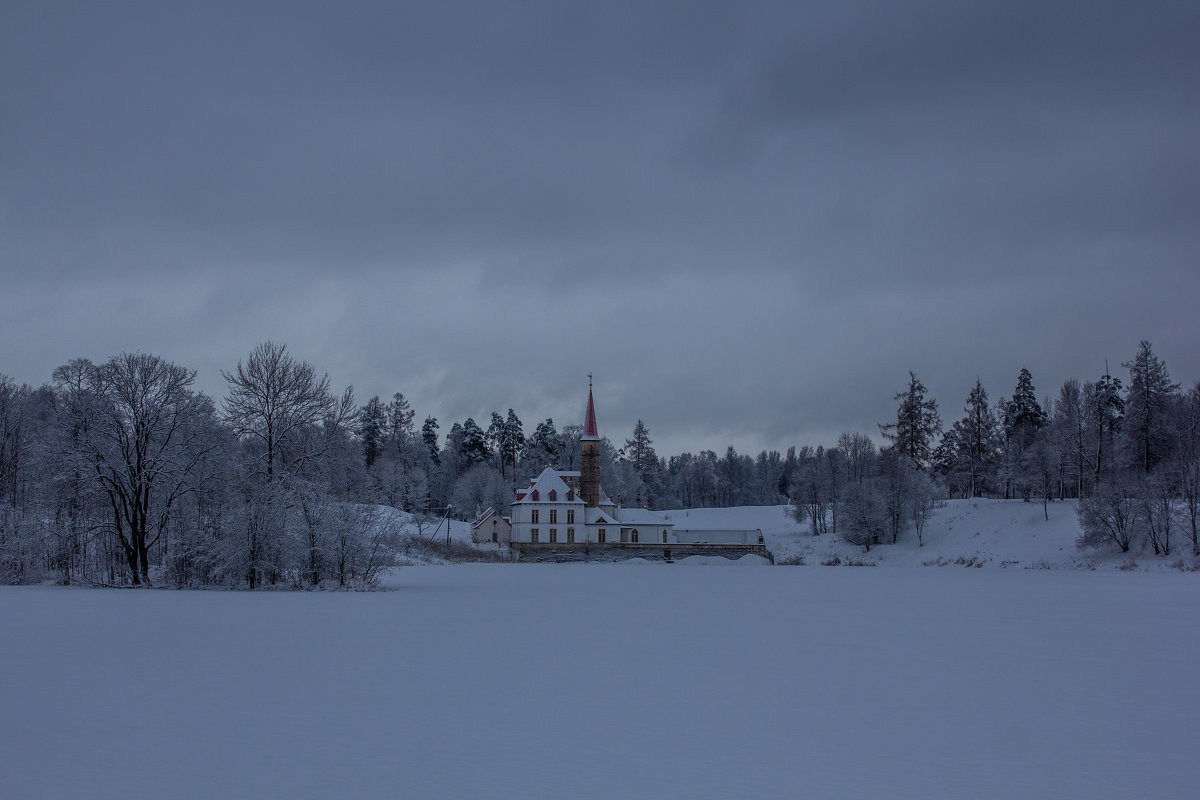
[(1129, 454), (123, 473)]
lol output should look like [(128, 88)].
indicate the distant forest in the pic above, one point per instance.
[(122, 473)]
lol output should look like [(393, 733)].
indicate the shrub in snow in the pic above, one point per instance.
[(1111, 515)]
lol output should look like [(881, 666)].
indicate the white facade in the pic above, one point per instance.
[(551, 511), (492, 527)]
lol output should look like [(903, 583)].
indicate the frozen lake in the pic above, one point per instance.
[(607, 681)]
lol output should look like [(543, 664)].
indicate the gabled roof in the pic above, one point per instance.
[(486, 515), (544, 483), (594, 516)]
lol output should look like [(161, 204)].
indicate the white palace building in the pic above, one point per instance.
[(571, 508)]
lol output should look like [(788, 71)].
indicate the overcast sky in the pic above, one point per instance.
[(748, 220)]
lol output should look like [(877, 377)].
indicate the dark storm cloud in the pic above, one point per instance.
[(748, 220)]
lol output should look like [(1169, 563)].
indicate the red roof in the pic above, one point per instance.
[(590, 431)]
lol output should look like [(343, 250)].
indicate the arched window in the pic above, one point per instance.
[(633, 536), (600, 536), (553, 495)]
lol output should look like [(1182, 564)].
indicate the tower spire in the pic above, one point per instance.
[(589, 455), (590, 429)]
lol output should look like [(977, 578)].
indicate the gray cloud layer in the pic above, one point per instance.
[(748, 220)]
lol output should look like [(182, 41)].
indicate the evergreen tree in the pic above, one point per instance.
[(1148, 406), (639, 451), (545, 445), (507, 439), (372, 422), (1104, 416), (979, 439), (917, 422), (430, 438), (1023, 415), (400, 417), (1024, 420), (474, 447)]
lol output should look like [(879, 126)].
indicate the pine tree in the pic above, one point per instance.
[(639, 451), (474, 448), (372, 422), (400, 421), (1147, 408), (430, 438), (980, 439), (507, 438), (1104, 415), (1023, 415), (1024, 420), (917, 422), (545, 445)]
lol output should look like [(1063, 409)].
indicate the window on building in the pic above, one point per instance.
[(600, 536), (553, 495), (633, 536), (533, 534), (533, 516), (553, 535), (570, 536), (534, 496), (664, 537), (570, 515), (553, 515), (570, 494)]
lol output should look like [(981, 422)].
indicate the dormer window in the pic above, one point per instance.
[(534, 496), (570, 494), (553, 495)]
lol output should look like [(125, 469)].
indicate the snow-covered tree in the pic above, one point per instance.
[(1104, 413), (917, 423), (430, 438), (143, 431), (473, 448), (1024, 420), (372, 424), (1148, 406), (639, 452), (544, 446)]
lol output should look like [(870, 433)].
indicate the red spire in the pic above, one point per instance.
[(590, 431)]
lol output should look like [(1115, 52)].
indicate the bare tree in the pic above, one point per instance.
[(142, 430), (280, 408), (1188, 462), (1110, 515), (276, 401)]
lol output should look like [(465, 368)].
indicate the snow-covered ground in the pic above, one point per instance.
[(989, 533), (609, 681)]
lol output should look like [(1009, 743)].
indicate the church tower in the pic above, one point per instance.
[(589, 461)]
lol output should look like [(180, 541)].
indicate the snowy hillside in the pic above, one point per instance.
[(987, 533)]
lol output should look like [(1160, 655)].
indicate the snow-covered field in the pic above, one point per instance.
[(610, 681), (988, 533)]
